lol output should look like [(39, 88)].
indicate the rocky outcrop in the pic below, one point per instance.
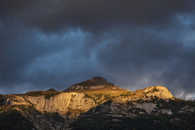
[(61, 103), (148, 93), (78, 102), (159, 92), (94, 100)]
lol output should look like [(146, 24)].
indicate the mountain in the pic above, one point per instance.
[(96, 104), (96, 83)]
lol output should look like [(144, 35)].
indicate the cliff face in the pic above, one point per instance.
[(160, 92), (78, 98), (90, 100), (61, 103), (65, 102)]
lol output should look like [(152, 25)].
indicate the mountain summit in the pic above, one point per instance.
[(95, 83), (96, 104)]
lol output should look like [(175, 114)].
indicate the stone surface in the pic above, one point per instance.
[(78, 102), (95, 104)]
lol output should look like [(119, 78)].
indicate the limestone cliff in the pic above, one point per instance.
[(62, 103)]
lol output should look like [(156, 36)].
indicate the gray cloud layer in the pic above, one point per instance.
[(92, 14), (50, 43)]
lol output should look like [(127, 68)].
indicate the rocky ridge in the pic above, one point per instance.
[(91, 100)]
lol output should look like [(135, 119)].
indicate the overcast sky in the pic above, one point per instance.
[(132, 43)]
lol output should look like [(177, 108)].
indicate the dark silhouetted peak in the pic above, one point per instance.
[(52, 89), (95, 81), (92, 84)]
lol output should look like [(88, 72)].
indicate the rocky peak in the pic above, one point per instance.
[(158, 91), (98, 80), (82, 97), (94, 83), (104, 105)]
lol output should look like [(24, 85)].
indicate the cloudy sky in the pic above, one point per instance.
[(133, 43)]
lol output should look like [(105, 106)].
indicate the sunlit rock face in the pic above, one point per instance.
[(159, 92), (83, 96), (99, 103), (148, 93), (61, 103)]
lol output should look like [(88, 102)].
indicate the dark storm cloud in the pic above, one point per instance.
[(91, 14), (33, 60), (140, 43), (132, 58), (151, 60)]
